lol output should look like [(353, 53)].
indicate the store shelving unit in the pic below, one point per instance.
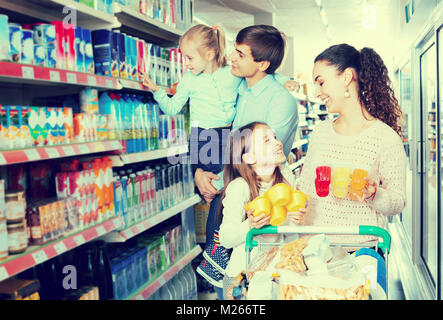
[(39, 82), (11, 72), (124, 159), (139, 227), (35, 255), (55, 152), (146, 290), (49, 10), (145, 27), (310, 111)]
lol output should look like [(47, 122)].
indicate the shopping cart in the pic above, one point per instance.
[(384, 245)]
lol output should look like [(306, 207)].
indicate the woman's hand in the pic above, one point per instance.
[(203, 181), (259, 221), (292, 85), (369, 190), (298, 217), (148, 83)]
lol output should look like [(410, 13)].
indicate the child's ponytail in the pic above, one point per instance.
[(211, 38), (376, 91), (220, 54)]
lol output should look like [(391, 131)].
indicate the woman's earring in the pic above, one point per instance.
[(347, 95)]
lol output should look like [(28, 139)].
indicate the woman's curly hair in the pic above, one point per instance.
[(376, 93)]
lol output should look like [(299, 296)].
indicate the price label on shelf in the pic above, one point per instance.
[(101, 230), (54, 75), (52, 153), (92, 81), (83, 148), (28, 72), (32, 154), (69, 151), (39, 256), (60, 247), (109, 83), (79, 239), (71, 77), (3, 273)]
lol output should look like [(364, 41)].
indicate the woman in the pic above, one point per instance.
[(366, 135)]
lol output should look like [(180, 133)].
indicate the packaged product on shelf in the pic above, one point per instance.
[(115, 61), (122, 55), (17, 237), (89, 53), (79, 46), (80, 128), (126, 201), (59, 45), (118, 278), (13, 125), (69, 124), (15, 41), (19, 289), (51, 56), (69, 40), (15, 205), (44, 34), (3, 238), (102, 45), (4, 39), (27, 54), (39, 55), (89, 100)]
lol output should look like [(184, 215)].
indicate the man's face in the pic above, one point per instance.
[(243, 64)]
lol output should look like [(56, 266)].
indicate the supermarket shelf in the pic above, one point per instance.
[(54, 152), (123, 235), (299, 143), (35, 255), (145, 27), (30, 74), (137, 85), (124, 159), (153, 285), (49, 10)]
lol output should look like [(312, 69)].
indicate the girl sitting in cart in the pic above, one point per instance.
[(255, 164)]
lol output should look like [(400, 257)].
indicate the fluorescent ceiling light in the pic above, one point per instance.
[(318, 2)]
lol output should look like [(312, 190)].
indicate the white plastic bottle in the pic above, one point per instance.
[(193, 279), (165, 293), (177, 284)]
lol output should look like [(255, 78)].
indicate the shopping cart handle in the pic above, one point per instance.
[(379, 232), (361, 230), (250, 243)]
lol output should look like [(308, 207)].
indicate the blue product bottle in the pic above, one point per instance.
[(155, 124), (147, 122), (127, 120), (141, 123), (124, 184), (133, 123)]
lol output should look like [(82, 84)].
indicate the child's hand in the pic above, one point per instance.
[(292, 85), (259, 221), (147, 82), (298, 217)]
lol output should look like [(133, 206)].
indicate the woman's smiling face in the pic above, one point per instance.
[(329, 85)]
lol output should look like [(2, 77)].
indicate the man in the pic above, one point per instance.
[(259, 51)]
